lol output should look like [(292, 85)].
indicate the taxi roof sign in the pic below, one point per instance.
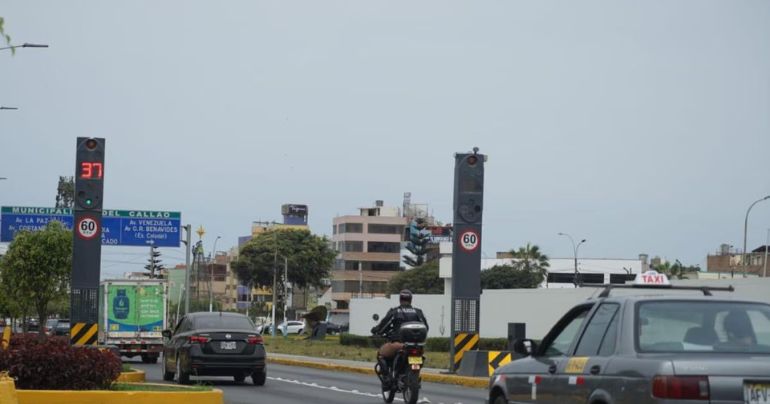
[(651, 278)]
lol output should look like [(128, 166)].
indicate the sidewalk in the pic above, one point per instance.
[(342, 365)]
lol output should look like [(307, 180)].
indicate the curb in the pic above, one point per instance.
[(119, 397), (477, 382), (136, 376)]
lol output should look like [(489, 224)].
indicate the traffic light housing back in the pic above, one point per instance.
[(89, 178)]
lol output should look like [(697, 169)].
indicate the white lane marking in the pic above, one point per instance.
[(424, 400)]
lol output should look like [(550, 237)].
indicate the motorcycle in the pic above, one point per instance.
[(404, 371)]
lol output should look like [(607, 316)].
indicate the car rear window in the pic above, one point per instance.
[(686, 326), (223, 322)]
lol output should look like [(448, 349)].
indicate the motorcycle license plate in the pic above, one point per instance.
[(415, 360), (228, 345)]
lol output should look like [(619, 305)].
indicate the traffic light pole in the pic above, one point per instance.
[(87, 240), (466, 255)]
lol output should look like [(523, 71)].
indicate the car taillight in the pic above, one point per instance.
[(197, 339), (681, 387), (254, 340)]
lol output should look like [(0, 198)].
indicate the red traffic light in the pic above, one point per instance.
[(91, 144), (472, 160)]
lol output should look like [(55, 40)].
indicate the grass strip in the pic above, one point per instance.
[(331, 348)]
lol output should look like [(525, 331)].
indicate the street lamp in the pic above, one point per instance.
[(745, 229), (575, 251), (25, 45), (211, 275)]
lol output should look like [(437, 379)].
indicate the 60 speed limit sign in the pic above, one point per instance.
[(469, 241), (87, 228)]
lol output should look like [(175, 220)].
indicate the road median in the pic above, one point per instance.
[(326, 364)]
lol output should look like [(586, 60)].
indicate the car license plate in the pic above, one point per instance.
[(756, 393), (415, 360), (228, 345)]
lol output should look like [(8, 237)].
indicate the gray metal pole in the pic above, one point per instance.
[(188, 230), (275, 272), (764, 271), (745, 230), (285, 294), (211, 275)]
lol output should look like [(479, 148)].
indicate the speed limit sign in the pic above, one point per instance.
[(469, 241), (87, 228)]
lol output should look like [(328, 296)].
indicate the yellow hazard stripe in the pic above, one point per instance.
[(497, 359), (463, 344), (76, 328), (84, 334)]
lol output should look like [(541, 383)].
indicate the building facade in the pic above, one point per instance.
[(368, 249), (729, 262)]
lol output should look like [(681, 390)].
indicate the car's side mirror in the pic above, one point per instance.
[(375, 316), (525, 347), (166, 333)]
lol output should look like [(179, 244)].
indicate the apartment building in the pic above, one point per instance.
[(368, 249)]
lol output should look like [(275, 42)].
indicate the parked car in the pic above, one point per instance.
[(57, 326), (293, 327), (214, 344), (264, 329), (645, 349), (332, 328)]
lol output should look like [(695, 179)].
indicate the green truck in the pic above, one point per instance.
[(132, 316)]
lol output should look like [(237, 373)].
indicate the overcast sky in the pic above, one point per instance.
[(642, 126)]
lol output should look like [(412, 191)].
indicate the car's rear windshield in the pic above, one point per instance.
[(223, 322), (687, 326)]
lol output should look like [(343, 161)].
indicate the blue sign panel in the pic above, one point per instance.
[(119, 227)]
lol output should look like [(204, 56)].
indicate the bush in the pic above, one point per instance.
[(437, 344), (50, 363)]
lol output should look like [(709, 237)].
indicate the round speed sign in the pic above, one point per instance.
[(469, 240), (87, 228)]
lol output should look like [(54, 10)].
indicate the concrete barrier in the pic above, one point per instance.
[(482, 363)]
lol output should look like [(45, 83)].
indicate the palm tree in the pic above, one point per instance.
[(675, 270), (530, 258)]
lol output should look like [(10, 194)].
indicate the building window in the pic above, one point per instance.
[(351, 246), (334, 229), (381, 247), (351, 228), (385, 229), (385, 266), (352, 265)]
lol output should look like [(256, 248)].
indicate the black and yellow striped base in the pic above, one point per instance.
[(463, 342), (497, 359), (84, 333)]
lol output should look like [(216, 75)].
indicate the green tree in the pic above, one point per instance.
[(676, 270), (514, 276), (65, 192), (423, 280), (154, 265), (36, 269), (530, 258), (309, 259)]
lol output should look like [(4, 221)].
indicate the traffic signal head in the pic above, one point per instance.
[(469, 187), (89, 178)]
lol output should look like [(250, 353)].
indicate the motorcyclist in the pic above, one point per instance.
[(389, 327)]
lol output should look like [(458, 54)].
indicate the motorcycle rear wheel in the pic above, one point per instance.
[(412, 387)]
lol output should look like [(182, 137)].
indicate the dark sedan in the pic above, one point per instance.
[(214, 344)]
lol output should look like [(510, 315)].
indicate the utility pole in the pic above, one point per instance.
[(275, 272), (285, 294), (188, 231)]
